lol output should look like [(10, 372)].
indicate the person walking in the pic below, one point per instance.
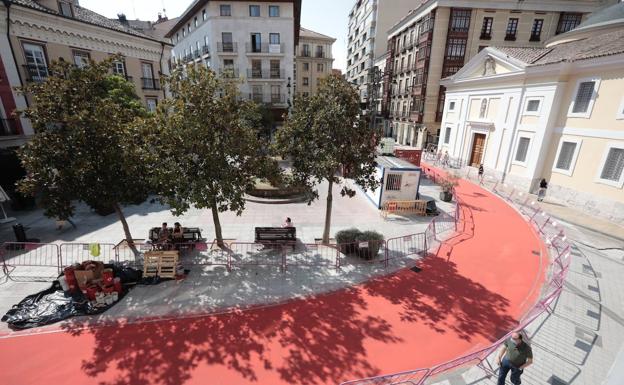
[(541, 193), (515, 356), (481, 171)]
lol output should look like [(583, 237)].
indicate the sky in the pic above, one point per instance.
[(329, 17)]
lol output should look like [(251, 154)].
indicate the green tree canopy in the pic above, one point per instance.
[(88, 145), (210, 148), (326, 133)]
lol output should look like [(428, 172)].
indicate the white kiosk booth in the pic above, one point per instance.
[(400, 181)]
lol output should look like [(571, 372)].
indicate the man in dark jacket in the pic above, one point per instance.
[(515, 356)]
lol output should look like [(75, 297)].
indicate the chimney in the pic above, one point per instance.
[(122, 19), (161, 18)]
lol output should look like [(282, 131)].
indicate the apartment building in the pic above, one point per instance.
[(314, 60), (41, 31), (253, 41), (369, 21), (555, 112), (438, 37)]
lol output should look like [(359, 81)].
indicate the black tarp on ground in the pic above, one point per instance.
[(53, 305)]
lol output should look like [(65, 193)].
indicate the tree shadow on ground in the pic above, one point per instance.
[(314, 341), (446, 301)]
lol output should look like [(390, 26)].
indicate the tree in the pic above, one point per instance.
[(326, 132), (88, 144), (210, 143)]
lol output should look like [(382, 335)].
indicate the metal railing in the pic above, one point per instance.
[(266, 74), (229, 72), (150, 84), (264, 48), (8, 127), (227, 47)]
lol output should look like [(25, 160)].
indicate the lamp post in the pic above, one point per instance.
[(288, 87)]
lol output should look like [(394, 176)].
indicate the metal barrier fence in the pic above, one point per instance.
[(28, 261), (559, 251), (72, 253)]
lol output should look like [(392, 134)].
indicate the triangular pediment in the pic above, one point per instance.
[(489, 63)]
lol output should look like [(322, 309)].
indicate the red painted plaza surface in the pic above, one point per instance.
[(466, 296)]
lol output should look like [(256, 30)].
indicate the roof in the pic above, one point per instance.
[(608, 15), (304, 32), (604, 44), (394, 163), (86, 16)]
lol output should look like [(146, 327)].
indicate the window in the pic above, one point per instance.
[(566, 156), (512, 29), (620, 112), (447, 135), (36, 64), (183, 32), (256, 69), (195, 23), (568, 21), (522, 149), (274, 38), (536, 30), (584, 98), (306, 81), (81, 58), (256, 42), (119, 68), (306, 66), (274, 11), (460, 20), (456, 49), (319, 67), (204, 15), (451, 106), (483, 109), (306, 51), (225, 10), (188, 27), (274, 66), (486, 29), (228, 45), (276, 94), (65, 9), (254, 11), (532, 107), (319, 51), (151, 104), (612, 171), (393, 182)]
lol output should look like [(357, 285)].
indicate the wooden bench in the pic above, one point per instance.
[(276, 235)]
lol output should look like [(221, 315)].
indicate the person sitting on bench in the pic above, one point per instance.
[(288, 223), (178, 232), (163, 235)]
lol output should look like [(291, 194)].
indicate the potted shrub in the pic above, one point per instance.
[(448, 184), (347, 240), (374, 240)]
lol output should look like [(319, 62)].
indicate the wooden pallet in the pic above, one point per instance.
[(160, 263)]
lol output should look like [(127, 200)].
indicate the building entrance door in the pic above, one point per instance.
[(478, 145)]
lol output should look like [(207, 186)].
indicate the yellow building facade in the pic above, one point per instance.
[(313, 61)]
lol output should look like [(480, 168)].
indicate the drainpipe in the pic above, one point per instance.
[(7, 4)]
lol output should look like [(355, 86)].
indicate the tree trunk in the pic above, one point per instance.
[(126, 229), (217, 224), (328, 211)]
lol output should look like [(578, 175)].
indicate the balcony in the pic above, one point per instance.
[(271, 99), (320, 55), (8, 127), (187, 58), (307, 54), (150, 84), (265, 48), (229, 72), (535, 37), (485, 36), (227, 48), (510, 37), (205, 50), (266, 74), (196, 54), (35, 73)]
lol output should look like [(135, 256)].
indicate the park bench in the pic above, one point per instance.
[(269, 236)]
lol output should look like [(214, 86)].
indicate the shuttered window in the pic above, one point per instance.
[(583, 97), (564, 162), (523, 149), (393, 182), (614, 165)]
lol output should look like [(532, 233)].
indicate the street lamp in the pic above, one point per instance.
[(288, 86)]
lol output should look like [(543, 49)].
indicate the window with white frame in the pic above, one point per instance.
[(451, 106), (522, 150), (584, 97), (393, 182), (532, 106), (151, 104), (612, 166), (566, 156), (483, 109), (81, 59), (447, 135)]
